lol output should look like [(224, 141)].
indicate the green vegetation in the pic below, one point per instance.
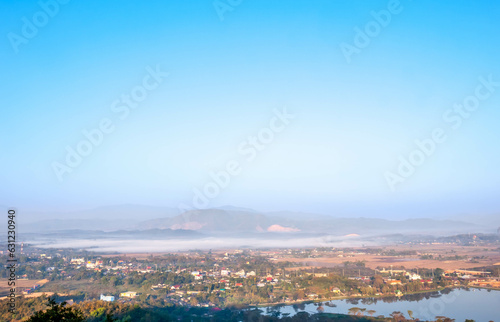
[(99, 311), (56, 313)]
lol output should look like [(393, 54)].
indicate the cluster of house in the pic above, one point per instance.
[(393, 281), (222, 273), (474, 278), (486, 282), (98, 265), (410, 276), (77, 261), (466, 274), (221, 276)]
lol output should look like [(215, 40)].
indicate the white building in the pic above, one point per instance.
[(414, 277), (107, 298), (77, 261)]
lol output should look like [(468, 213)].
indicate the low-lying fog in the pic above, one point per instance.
[(156, 245)]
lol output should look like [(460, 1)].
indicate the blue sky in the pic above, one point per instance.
[(352, 120)]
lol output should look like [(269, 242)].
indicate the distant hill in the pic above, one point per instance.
[(233, 208), (218, 220), (230, 219), (215, 220), (491, 220), (136, 228), (115, 212), (102, 218), (294, 215), (127, 234)]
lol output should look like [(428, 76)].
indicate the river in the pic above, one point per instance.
[(459, 304)]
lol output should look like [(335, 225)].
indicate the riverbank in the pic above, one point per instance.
[(345, 297), (485, 288)]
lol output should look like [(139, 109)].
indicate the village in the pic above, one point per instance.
[(251, 277)]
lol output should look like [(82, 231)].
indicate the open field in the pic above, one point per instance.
[(491, 257), (72, 287), (21, 284), (37, 294)]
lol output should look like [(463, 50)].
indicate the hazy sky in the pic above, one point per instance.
[(362, 79)]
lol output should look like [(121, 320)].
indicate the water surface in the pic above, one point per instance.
[(459, 304)]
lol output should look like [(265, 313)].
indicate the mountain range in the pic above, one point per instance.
[(230, 219)]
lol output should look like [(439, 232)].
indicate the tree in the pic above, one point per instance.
[(110, 318), (371, 312), (354, 310), (57, 313), (378, 281), (396, 315), (410, 314)]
